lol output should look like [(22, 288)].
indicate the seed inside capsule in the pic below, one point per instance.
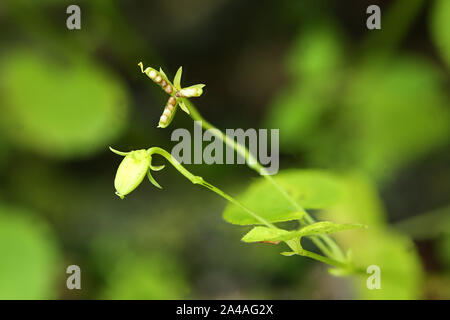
[(172, 101), (168, 89), (188, 92), (152, 74), (166, 112), (163, 119), (158, 79), (163, 83)]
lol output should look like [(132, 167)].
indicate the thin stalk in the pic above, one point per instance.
[(325, 243), (318, 257), (199, 180), (297, 248), (294, 244)]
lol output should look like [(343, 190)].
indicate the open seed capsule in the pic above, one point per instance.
[(158, 77), (168, 113), (192, 91)]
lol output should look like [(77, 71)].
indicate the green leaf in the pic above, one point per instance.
[(315, 62), (177, 79), (444, 250), (317, 54), (288, 254), (404, 114), (439, 25), (397, 258), (397, 112), (64, 110), (297, 111), (138, 276), (271, 234), (325, 227), (30, 260), (394, 253), (312, 189), (263, 234)]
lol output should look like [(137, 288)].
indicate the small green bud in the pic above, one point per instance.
[(131, 172)]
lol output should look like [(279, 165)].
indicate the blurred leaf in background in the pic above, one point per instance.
[(444, 240), (397, 112), (59, 109), (30, 259), (154, 276), (68, 95), (439, 28), (311, 189), (383, 115), (394, 253), (444, 250), (4, 150), (314, 63), (317, 54)]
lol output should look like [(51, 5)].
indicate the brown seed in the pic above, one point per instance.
[(169, 107), (163, 83), (168, 89), (152, 74), (163, 119), (172, 101)]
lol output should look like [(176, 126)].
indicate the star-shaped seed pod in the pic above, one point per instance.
[(176, 92)]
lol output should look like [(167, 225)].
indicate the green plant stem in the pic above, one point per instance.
[(318, 257), (324, 242), (333, 262), (199, 180)]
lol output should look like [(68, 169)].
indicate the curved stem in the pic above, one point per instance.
[(323, 242), (199, 180), (318, 257)]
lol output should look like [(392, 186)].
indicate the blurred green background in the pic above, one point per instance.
[(369, 106)]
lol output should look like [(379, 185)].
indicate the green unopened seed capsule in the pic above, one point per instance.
[(131, 172)]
